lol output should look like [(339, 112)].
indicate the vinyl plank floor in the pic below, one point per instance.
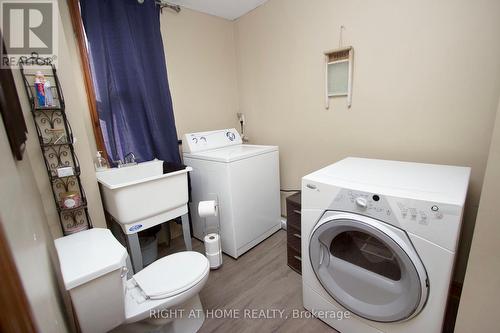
[(259, 283)]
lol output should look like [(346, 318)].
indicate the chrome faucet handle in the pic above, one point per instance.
[(129, 158)]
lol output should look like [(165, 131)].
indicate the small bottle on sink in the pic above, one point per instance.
[(100, 162)]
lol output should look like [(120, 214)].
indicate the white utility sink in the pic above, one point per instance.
[(141, 196)]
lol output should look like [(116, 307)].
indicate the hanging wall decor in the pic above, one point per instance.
[(338, 72)]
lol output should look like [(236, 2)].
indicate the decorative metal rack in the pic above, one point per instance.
[(57, 143)]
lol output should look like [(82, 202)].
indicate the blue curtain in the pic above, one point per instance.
[(130, 78)]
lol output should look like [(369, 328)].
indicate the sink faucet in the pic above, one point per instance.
[(128, 160)]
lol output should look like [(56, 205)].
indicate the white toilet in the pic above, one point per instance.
[(162, 297)]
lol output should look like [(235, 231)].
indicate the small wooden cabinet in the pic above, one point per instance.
[(293, 229)]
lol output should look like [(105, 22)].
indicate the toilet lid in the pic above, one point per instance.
[(173, 274)]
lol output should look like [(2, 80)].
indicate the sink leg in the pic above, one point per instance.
[(186, 232), (135, 251)]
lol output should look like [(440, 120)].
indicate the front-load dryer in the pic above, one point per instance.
[(379, 239)]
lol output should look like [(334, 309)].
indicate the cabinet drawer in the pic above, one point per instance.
[(294, 260), (293, 238), (293, 211), (293, 217), (293, 206)]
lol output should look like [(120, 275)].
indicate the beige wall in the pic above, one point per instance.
[(201, 64), (480, 301), (426, 83), (23, 219), (71, 77)]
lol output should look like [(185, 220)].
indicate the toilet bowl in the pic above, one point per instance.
[(162, 297)]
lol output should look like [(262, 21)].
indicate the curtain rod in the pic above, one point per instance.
[(164, 4)]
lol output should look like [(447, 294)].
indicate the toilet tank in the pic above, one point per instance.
[(93, 266)]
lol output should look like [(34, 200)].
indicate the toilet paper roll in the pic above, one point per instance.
[(212, 243), (215, 260), (207, 208)]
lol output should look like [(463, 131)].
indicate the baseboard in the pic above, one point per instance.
[(283, 223)]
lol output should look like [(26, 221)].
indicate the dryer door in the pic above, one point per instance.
[(368, 266)]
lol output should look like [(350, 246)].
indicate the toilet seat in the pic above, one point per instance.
[(172, 275)]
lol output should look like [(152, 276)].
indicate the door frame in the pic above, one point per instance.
[(81, 44), (15, 311)]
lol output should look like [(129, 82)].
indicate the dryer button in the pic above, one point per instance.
[(361, 202)]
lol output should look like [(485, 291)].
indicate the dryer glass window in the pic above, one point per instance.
[(367, 267), (366, 251)]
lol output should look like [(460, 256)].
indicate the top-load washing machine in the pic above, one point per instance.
[(379, 240), (245, 181)]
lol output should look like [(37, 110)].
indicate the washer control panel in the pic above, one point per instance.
[(201, 141)]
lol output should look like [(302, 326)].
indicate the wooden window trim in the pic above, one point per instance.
[(76, 20)]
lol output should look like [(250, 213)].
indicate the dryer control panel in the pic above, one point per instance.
[(364, 203), (414, 211), (439, 223), (202, 141)]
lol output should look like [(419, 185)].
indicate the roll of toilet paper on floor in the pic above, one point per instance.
[(215, 260), (212, 243), (207, 208)]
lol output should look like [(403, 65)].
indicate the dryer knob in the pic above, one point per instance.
[(361, 202)]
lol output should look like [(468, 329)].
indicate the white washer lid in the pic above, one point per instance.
[(173, 274), (232, 153), (87, 255)]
